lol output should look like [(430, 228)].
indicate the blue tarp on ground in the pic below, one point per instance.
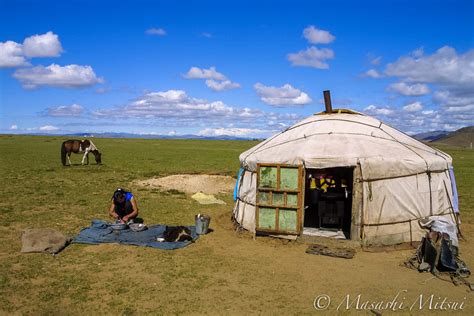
[(100, 232)]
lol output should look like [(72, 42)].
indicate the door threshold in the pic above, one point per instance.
[(289, 237), (321, 232)]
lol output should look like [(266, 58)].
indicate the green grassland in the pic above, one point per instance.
[(38, 189), (207, 277), (463, 162), (38, 192)]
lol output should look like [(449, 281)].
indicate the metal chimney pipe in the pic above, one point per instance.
[(327, 101)]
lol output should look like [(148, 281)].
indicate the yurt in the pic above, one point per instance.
[(344, 174)]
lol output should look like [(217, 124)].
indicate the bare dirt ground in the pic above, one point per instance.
[(192, 183), (232, 272), (269, 275), (265, 265)]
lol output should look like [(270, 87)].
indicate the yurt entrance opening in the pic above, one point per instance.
[(328, 202)]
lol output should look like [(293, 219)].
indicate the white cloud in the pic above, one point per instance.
[(375, 110), (311, 57), (172, 133), (451, 73), (170, 96), (413, 119), (202, 73), (73, 110), (206, 34), (445, 67), (216, 81), (317, 36), (221, 85), (453, 99), (417, 53), (469, 109), (48, 128), (174, 108), (11, 55), (285, 95), (45, 45), (237, 132), (14, 127), (375, 60), (457, 106), (70, 76), (156, 31), (372, 73), (416, 89), (413, 107), (174, 104)]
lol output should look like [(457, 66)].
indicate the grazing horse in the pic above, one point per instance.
[(79, 146)]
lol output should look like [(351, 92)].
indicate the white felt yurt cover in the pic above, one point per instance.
[(401, 179)]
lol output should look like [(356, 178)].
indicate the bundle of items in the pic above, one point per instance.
[(438, 253)]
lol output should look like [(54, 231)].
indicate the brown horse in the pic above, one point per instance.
[(79, 146)]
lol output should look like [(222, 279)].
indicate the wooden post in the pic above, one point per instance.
[(327, 101)]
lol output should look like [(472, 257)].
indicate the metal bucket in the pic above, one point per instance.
[(202, 224), (118, 225)]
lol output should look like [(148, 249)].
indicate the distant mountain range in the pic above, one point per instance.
[(155, 136), (431, 136), (463, 137)]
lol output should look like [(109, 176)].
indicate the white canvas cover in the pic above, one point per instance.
[(402, 179)]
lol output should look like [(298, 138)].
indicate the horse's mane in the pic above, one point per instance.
[(92, 146)]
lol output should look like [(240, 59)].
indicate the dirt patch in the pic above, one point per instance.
[(192, 183)]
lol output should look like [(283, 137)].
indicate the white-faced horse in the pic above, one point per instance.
[(79, 146)]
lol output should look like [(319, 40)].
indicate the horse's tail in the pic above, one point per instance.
[(63, 153)]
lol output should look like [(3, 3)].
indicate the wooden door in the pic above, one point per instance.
[(279, 198)]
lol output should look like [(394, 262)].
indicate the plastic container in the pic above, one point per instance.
[(202, 224)]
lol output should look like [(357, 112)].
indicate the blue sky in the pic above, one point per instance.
[(241, 68)]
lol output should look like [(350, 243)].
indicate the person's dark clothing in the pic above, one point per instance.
[(125, 208)]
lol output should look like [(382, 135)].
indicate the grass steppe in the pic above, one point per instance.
[(224, 272)]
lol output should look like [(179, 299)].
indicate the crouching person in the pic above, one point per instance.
[(124, 206)]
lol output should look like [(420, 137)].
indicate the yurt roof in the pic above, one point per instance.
[(347, 138)]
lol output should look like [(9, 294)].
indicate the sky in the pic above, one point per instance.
[(238, 68)]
